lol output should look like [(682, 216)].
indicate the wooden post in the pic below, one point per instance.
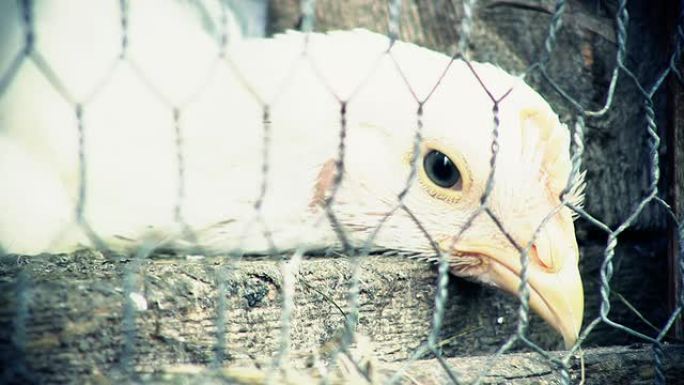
[(677, 193), (675, 140)]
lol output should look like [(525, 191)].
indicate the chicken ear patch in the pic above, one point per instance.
[(324, 182)]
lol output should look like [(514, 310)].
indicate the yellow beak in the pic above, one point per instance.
[(554, 282)]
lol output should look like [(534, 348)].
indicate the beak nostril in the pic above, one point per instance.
[(536, 258)]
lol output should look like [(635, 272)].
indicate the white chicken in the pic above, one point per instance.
[(172, 135)]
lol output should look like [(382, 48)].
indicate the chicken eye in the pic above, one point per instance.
[(441, 170)]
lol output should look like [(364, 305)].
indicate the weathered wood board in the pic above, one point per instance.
[(63, 318), (615, 365)]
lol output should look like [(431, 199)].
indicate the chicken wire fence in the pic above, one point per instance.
[(620, 73)]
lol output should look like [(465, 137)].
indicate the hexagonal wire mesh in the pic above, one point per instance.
[(290, 267)]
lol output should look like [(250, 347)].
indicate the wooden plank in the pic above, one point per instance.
[(601, 366), (676, 137), (62, 316), (73, 311)]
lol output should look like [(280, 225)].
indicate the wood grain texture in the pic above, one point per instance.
[(75, 305), (73, 326), (614, 365)]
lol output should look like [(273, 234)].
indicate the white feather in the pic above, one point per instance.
[(173, 64)]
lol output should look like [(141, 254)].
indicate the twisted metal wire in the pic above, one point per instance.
[(394, 20), (18, 370), (606, 271), (308, 15), (131, 308), (466, 27)]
